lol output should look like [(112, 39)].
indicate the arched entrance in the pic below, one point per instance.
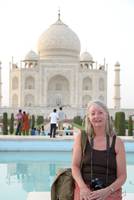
[(58, 91)]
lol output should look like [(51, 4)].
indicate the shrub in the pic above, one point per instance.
[(77, 120), (120, 123), (5, 124), (40, 120), (11, 124), (130, 126), (32, 123)]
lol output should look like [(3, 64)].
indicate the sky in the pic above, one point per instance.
[(105, 29)]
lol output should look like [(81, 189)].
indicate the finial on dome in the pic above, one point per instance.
[(59, 14), (86, 46), (104, 61)]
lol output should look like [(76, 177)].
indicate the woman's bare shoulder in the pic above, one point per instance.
[(119, 140), (78, 135), (77, 138), (119, 144)]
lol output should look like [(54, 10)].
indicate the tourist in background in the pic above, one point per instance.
[(19, 121), (25, 123), (103, 169), (53, 123), (42, 130), (62, 118)]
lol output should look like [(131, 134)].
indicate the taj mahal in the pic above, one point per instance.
[(59, 75)]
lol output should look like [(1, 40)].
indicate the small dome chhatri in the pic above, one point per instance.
[(31, 55), (86, 56), (59, 40)]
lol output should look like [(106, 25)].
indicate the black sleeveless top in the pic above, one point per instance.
[(99, 164)]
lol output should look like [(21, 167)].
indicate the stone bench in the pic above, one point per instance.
[(46, 196), (38, 196)]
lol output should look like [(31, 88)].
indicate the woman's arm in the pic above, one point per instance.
[(76, 161), (121, 165)]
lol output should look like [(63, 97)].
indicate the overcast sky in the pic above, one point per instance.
[(104, 27)]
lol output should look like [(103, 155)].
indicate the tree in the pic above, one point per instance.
[(11, 125), (40, 120), (130, 126), (32, 122), (5, 124), (78, 120), (120, 123)]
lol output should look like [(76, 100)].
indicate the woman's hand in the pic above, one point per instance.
[(85, 193), (101, 194)]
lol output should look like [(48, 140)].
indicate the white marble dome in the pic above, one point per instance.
[(86, 56), (58, 40), (31, 55)]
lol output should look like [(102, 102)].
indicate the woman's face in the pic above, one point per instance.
[(97, 116)]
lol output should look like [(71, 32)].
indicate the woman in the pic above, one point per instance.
[(103, 170), (25, 124)]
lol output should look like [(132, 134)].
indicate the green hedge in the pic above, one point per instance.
[(11, 124), (130, 126), (78, 120), (120, 123), (40, 120), (78, 126), (32, 122), (5, 124)]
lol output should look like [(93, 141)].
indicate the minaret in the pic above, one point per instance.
[(117, 98), (59, 14), (0, 86)]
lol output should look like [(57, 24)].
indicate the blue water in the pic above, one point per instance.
[(45, 145), (25, 172)]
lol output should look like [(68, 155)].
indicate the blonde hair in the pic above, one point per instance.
[(109, 129)]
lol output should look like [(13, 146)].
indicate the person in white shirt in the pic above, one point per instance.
[(53, 122)]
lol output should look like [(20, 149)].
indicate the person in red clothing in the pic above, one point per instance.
[(25, 123), (103, 170)]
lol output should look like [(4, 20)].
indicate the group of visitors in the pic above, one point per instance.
[(22, 123), (38, 131)]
